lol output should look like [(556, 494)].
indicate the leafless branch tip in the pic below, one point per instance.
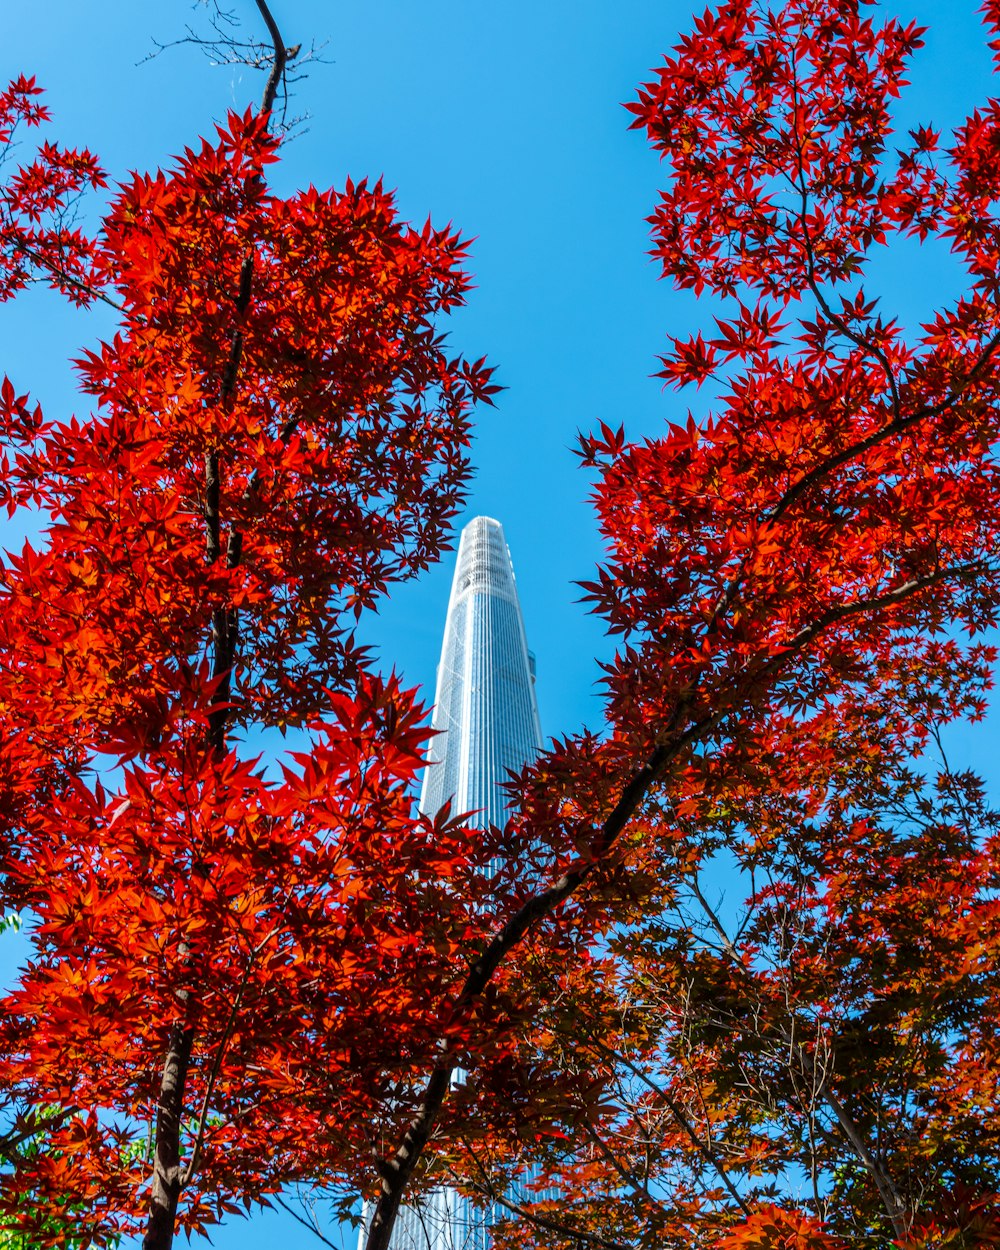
[(224, 43)]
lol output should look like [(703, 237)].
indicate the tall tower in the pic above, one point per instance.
[(486, 716), (484, 707)]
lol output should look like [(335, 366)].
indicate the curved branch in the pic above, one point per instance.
[(898, 425), (279, 62), (168, 1178), (62, 276), (840, 324), (220, 1053), (891, 1200), (639, 1190), (901, 424), (313, 1228)]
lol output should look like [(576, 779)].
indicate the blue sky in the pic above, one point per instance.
[(505, 119)]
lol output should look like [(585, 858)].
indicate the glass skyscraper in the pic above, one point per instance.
[(486, 716), (484, 707)]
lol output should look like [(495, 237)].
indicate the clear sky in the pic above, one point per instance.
[(506, 119)]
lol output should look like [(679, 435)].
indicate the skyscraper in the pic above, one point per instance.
[(484, 706), (486, 716)]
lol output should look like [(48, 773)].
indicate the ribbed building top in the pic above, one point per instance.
[(484, 563)]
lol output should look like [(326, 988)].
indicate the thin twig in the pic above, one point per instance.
[(313, 1227), (217, 1061), (489, 1190)]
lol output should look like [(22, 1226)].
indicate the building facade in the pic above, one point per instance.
[(486, 718)]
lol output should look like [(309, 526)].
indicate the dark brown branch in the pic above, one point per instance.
[(899, 425), (35, 1124), (640, 1190), (168, 1179), (225, 620), (217, 1062), (68, 279), (888, 1192), (279, 62), (847, 454), (841, 325)]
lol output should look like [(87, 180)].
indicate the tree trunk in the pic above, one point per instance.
[(167, 1163)]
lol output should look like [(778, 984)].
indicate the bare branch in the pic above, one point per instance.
[(224, 44), (312, 1225), (488, 1188)]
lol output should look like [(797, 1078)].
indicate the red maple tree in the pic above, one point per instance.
[(275, 433)]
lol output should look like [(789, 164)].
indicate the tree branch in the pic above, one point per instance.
[(704, 1149), (279, 62), (893, 1203), (640, 1190), (217, 1061), (313, 1228)]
